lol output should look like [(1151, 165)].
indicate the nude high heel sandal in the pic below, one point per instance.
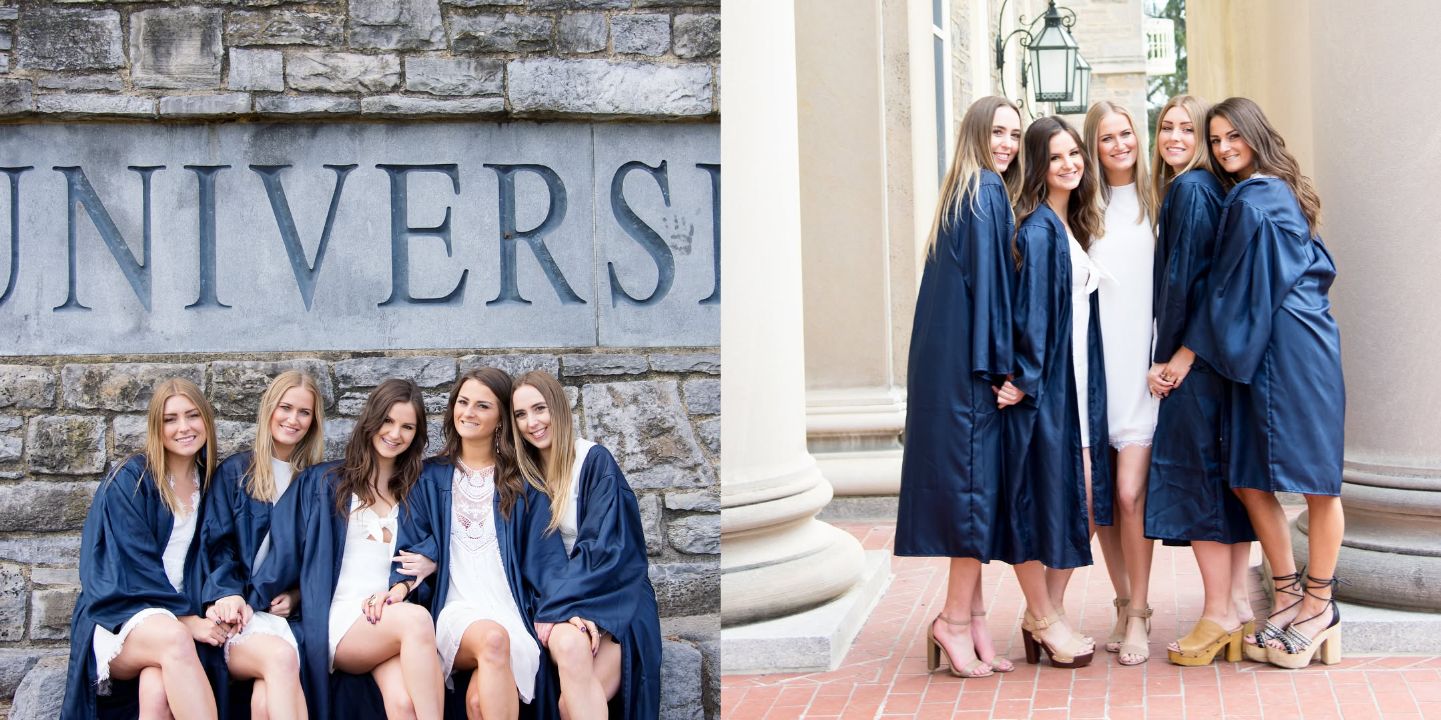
[(1131, 650), (1204, 642), (997, 663), (935, 651), (1297, 649), (1118, 633), (1073, 655)]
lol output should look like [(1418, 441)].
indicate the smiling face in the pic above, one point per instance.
[(1230, 149), (476, 413), (1064, 163), (291, 420), (182, 428), (532, 416), (1177, 138), (1005, 137), (396, 431), (1116, 147)]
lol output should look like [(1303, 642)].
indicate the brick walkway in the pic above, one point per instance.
[(884, 674)]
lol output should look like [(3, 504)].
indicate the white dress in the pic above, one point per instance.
[(364, 567), (1085, 278), (1127, 251), (263, 623), (478, 587), (570, 524), (106, 644)]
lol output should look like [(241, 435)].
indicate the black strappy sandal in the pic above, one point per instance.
[(1298, 649), (1255, 650)]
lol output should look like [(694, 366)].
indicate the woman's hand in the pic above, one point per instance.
[(207, 630), (1007, 394), (230, 610), (589, 628), (415, 565), (285, 603), (1160, 387), (542, 633), (1179, 367)]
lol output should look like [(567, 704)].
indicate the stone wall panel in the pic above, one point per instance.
[(396, 24), (603, 87), (123, 387), (66, 444), (284, 27), (12, 602), (50, 611), (176, 48), (26, 386), (645, 427), (342, 72), (44, 506), (507, 33), (53, 38), (236, 385)]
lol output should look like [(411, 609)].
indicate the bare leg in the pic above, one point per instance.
[(1057, 579), (163, 642), (1269, 520), (485, 648), (274, 664), (981, 634), (1325, 526), (1112, 548), (1240, 582), (1132, 465), (961, 585), (581, 694), (390, 677), (1214, 559), (153, 705), (404, 631), (1032, 578), (258, 711)]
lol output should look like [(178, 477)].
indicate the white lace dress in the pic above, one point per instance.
[(107, 645), (478, 587), (1128, 252), (263, 623), (364, 567)]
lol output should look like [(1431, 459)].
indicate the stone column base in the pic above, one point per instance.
[(854, 435)]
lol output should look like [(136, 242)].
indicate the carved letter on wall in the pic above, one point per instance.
[(401, 232), (715, 214), (534, 237), (14, 173), (648, 238), (137, 272), (205, 177), (305, 272)]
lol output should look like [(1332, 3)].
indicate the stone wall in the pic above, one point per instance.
[(372, 58), (65, 420)]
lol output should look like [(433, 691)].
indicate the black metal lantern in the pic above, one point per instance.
[(1053, 58), (1080, 99)]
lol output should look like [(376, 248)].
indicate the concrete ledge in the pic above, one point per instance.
[(861, 508), (814, 640)]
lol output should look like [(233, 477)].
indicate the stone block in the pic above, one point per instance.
[(350, 404), (680, 682), (125, 387), (709, 432), (42, 692), (696, 36), (50, 611), (26, 386), (683, 588), (500, 33), (69, 39), (128, 432), (14, 663), (224, 104), (640, 34), (676, 3), (44, 506), (284, 27), (66, 445), (485, 3), (337, 434), (644, 426), (314, 70), (435, 404), (705, 500), (396, 24), (96, 81), (9, 13), (708, 363), (603, 364), (256, 70), (236, 385), (54, 576), (41, 548), (232, 436), (579, 4), (12, 444), (650, 514), (410, 105), (12, 602), (176, 48), (16, 96), (454, 76), (695, 534), (582, 33), (95, 104), (306, 105), (703, 397), (516, 365), (372, 371), (710, 650), (603, 87)]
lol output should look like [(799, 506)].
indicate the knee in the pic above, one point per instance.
[(177, 646), (494, 645), (413, 622), (151, 696), (569, 647), (283, 665), (1129, 500), (401, 706), (472, 704)]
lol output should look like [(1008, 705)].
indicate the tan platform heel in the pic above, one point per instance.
[(1070, 656), (1204, 642)]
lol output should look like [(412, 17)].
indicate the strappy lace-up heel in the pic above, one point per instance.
[(1256, 650), (1297, 649)]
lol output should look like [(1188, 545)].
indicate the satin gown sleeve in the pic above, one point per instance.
[(1187, 242), (1035, 288), (988, 273), (288, 523), (220, 533)]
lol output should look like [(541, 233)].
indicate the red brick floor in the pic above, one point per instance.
[(884, 674)]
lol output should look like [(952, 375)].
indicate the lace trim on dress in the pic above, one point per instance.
[(472, 506)]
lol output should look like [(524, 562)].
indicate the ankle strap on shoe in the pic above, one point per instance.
[(1289, 584)]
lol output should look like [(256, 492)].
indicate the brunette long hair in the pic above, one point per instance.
[(1161, 172), (307, 452), (1269, 149), (155, 458), (507, 469), (360, 465), (550, 476), (972, 155), (1083, 214)]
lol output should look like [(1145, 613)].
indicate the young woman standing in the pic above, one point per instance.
[(137, 617), (1267, 326), (950, 503), (334, 535), (597, 614), (1056, 434), (236, 537), (1126, 252), (1188, 498)]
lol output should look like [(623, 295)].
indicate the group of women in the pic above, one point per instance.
[(1099, 349), (508, 574)]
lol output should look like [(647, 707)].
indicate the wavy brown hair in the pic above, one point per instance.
[(360, 465), (1083, 213), (309, 451), (972, 155), (549, 474), (1161, 172), (1269, 150), (507, 469)]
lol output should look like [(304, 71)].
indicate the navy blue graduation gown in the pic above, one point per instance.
[(528, 555), (606, 581), (1267, 326), (121, 573), (1187, 495), (960, 349), (1045, 479), (307, 543)]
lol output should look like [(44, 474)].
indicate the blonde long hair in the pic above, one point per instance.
[(1272, 157), (309, 451), (155, 460), (550, 476), (1092, 130), (1162, 173), (973, 154)]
